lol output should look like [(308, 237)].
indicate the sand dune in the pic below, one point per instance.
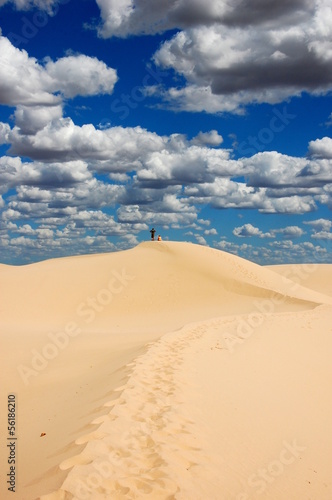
[(149, 281), (319, 278), (169, 370)]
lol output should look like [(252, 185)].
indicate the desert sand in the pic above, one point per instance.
[(170, 370)]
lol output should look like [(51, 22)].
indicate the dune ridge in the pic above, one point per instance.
[(156, 276), (138, 339)]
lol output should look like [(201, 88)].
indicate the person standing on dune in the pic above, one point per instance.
[(153, 231)]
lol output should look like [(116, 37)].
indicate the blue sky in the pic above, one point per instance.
[(209, 121)]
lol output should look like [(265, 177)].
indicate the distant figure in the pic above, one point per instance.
[(159, 237), (153, 231)]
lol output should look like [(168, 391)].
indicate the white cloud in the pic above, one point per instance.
[(197, 98), (323, 224), (68, 155), (321, 229), (277, 171), (321, 148), (322, 235), (272, 169), (14, 173), (91, 193), (248, 230), (200, 239), (276, 252), (209, 232), (123, 17), (168, 211), (15, 88), (289, 205), (160, 180), (119, 149), (80, 75), (71, 76), (211, 138), (225, 193), (4, 132), (289, 232), (230, 53), (30, 119), (25, 229), (188, 164), (176, 220), (248, 55)]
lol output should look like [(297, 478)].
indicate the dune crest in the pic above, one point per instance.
[(149, 281)]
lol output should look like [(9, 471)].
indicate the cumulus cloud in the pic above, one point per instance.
[(277, 171), (211, 138), (147, 166), (151, 216), (80, 75), (298, 252), (248, 230), (248, 51), (321, 148), (321, 229), (45, 202), (71, 76), (15, 88), (30, 119), (289, 205), (4, 131), (195, 98), (119, 148), (161, 180), (166, 210), (124, 17), (320, 224), (276, 252), (187, 165), (225, 193), (209, 232), (15, 173), (322, 235), (230, 54), (289, 232)]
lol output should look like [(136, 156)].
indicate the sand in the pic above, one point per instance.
[(170, 370)]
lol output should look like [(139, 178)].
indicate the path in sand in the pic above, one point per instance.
[(205, 416)]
